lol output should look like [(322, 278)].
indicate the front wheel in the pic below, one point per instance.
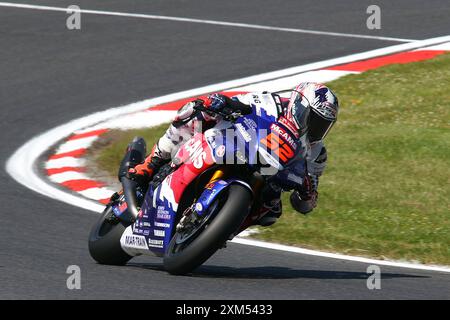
[(104, 240), (182, 256)]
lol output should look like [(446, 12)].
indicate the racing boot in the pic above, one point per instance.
[(144, 172), (269, 213), (271, 208)]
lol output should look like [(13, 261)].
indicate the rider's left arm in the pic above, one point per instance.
[(317, 159), (227, 105)]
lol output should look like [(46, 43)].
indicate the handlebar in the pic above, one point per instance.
[(227, 116)]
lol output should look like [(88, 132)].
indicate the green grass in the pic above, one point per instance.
[(385, 193), (108, 151)]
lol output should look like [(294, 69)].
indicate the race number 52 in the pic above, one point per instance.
[(278, 147)]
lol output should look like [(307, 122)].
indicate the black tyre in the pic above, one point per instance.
[(182, 259), (104, 240)]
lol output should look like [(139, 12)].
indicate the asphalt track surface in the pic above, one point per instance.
[(50, 75)]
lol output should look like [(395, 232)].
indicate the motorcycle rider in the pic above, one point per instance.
[(314, 120)]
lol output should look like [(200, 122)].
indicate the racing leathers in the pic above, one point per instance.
[(189, 121)]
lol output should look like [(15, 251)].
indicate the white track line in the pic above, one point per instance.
[(204, 21), (281, 247), (22, 165), (321, 76), (442, 46)]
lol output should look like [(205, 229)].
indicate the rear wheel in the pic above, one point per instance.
[(104, 240), (186, 251)]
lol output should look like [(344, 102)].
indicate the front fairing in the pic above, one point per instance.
[(155, 223), (259, 138)]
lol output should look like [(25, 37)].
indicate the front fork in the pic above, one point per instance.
[(191, 215)]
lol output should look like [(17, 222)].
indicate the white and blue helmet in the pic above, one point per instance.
[(313, 108)]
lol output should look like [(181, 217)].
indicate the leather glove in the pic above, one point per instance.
[(216, 102), (221, 103)]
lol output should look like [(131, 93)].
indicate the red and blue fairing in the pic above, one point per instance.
[(257, 140)]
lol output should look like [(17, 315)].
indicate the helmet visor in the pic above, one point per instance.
[(318, 127), (300, 112)]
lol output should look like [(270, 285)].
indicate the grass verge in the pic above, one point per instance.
[(385, 193)]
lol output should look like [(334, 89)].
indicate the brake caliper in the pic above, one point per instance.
[(190, 219)]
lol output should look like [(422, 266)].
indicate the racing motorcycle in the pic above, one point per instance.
[(207, 194)]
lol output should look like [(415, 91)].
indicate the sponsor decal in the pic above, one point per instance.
[(212, 195), (155, 243), (123, 206), (162, 225), (284, 134), (163, 216), (134, 241), (162, 213), (256, 98), (220, 151), (117, 211), (240, 157), (196, 153), (120, 208), (285, 122), (159, 233), (212, 141), (198, 207), (250, 123), (247, 137)]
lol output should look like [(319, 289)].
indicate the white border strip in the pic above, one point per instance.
[(202, 21), (22, 165), (280, 247)]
